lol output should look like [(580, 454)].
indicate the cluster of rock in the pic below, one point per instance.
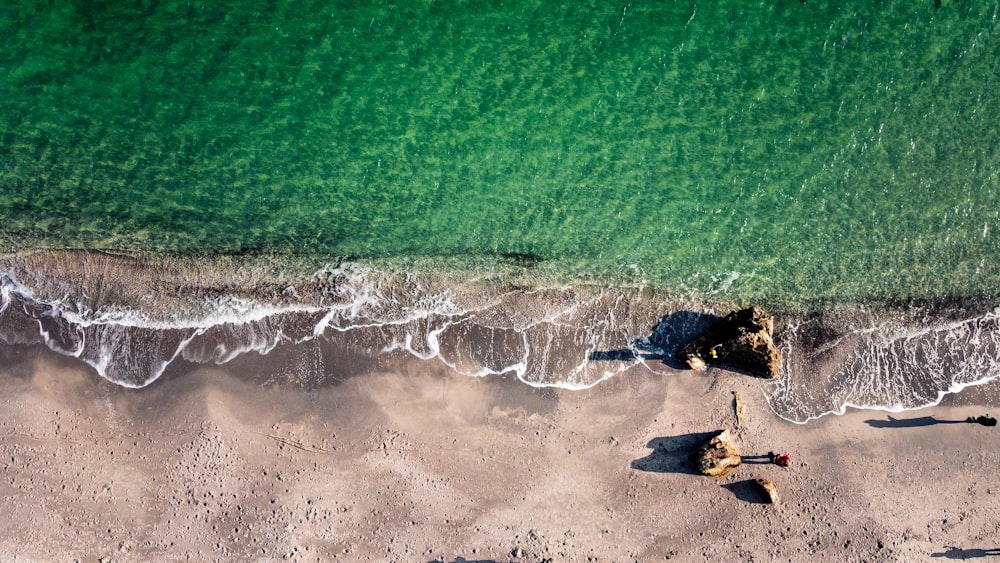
[(742, 340), (718, 457)]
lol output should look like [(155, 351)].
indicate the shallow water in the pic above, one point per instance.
[(779, 151), (831, 157)]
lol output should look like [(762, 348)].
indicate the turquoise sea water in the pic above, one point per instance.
[(796, 154), (836, 150)]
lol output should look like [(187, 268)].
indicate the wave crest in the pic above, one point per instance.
[(130, 319), (891, 360), (543, 336)]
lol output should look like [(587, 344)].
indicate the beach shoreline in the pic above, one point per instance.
[(413, 281), (133, 318), (411, 462)]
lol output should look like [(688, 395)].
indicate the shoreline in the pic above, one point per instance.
[(409, 462), (266, 275), (132, 320)]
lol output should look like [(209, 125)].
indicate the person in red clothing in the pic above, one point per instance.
[(783, 460)]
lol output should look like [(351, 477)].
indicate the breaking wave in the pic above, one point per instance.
[(882, 359), (130, 320), (543, 336)]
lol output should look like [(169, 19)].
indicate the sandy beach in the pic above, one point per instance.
[(407, 461), (399, 281)]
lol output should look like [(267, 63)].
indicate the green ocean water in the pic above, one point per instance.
[(779, 151)]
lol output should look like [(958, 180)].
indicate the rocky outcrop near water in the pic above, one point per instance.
[(742, 340)]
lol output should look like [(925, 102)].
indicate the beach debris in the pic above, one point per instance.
[(766, 486), (717, 457), (742, 340), (695, 362), (739, 408)]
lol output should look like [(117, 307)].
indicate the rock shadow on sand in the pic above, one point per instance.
[(747, 491), (672, 454), (666, 339)]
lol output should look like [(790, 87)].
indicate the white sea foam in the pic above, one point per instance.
[(131, 348), (887, 363), (569, 338)]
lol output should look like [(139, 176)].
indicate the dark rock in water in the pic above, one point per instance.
[(718, 457), (768, 489), (743, 340), (523, 259)]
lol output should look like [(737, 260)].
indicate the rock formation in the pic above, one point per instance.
[(718, 457), (743, 340), (768, 489), (739, 408)]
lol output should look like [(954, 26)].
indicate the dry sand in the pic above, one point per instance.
[(409, 462)]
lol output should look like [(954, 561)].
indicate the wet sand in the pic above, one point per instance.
[(408, 462)]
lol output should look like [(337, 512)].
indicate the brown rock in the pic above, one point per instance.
[(718, 457), (739, 408), (696, 363), (770, 491), (743, 340)]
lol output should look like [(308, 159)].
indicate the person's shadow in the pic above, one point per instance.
[(666, 339), (909, 422), (959, 553), (464, 560), (672, 454)]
